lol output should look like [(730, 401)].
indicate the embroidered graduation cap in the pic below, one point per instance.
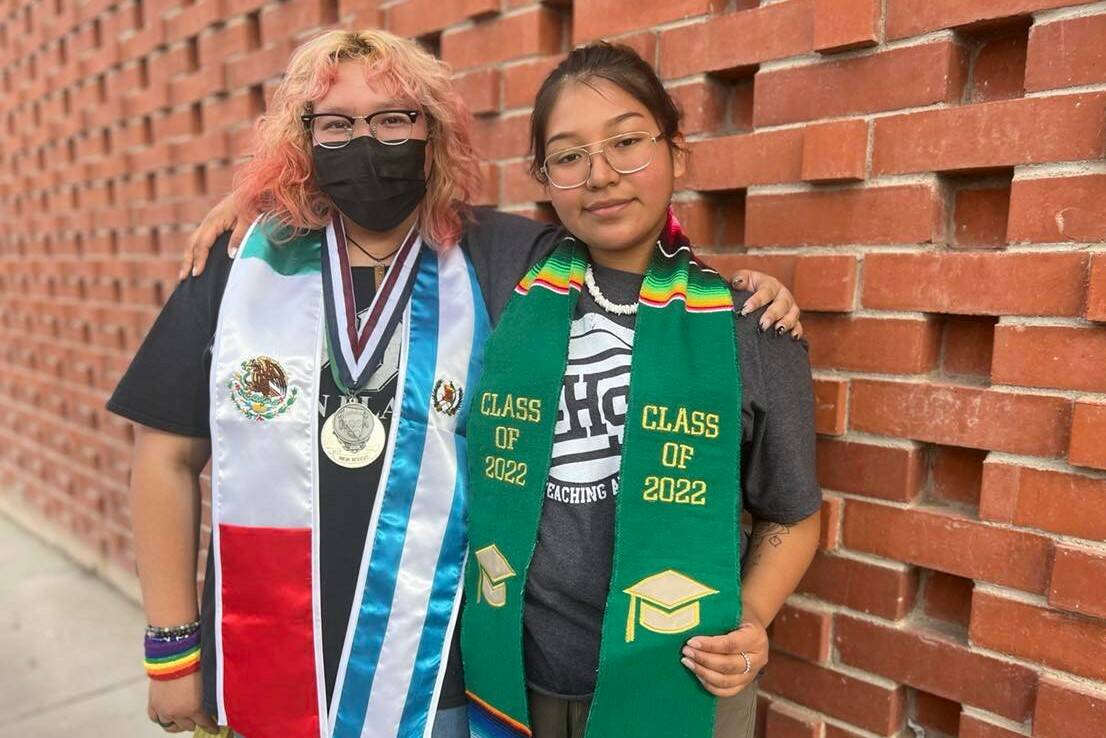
[(494, 571), (669, 603)]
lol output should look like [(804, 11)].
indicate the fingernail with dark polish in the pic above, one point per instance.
[(780, 330)]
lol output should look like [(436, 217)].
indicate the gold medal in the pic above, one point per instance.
[(353, 436)]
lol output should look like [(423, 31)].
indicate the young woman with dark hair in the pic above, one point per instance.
[(623, 421)]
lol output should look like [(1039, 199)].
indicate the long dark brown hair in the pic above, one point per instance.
[(618, 64)]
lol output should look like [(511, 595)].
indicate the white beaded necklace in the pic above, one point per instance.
[(603, 302)]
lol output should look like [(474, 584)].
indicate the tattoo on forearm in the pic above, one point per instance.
[(772, 533)]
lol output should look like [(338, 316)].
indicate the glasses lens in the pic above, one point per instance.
[(391, 128), (332, 131), (568, 168), (629, 152)]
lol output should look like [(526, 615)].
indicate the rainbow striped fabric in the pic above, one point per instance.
[(674, 274)]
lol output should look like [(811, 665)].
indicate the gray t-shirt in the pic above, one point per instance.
[(570, 573)]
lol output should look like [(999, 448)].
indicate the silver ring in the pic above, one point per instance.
[(748, 663)]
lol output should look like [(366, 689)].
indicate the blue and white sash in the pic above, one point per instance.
[(270, 347)]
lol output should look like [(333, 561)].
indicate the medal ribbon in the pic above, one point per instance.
[(354, 353)]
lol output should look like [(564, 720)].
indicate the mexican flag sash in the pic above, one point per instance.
[(270, 346), (675, 572)]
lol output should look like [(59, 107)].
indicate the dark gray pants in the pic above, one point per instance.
[(551, 717)]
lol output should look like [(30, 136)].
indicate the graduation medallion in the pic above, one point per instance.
[(353, 436)]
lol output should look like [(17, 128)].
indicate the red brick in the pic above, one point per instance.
[(419, 17), (1096, 292), (830, 522), (258, 66), (518, 185), (886, 472), (784, 722), (834, 731), (731, 162), (819, 282), (1068, 642), (980, 216), (292, 19), (1053, 501), (976, 284), (830, 399), (968, 345), (898, 214), (1063, 357), (1066, 710), (948, 598), (221, 43), (886, 345), (936, 713), (998, 69), (192, 19), (1066, 53), (480, 90), (937, 664), (949, 543), (961, 416), (996, 134), (889, 80), (1088, 435), (703, 104), (502, 137), (1058, 210), (1077, 581), (845, 24), (603, 18), (644, 43), (957, 475), (802, 632), (738, 41), (974, 727), (887, 591), (835, 151), (521, 81), (865, 704), (915, 17), (825, 283), (536, 31)]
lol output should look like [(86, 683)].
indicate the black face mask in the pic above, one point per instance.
[(375, 185)]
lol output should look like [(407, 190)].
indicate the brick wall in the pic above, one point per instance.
[(926, 175)]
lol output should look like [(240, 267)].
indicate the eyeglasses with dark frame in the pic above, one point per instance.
[(625, 153), (335, 130)]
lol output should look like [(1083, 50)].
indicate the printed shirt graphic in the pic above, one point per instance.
[(591, 415)]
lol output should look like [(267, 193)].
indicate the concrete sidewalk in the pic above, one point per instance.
[(72, 647)]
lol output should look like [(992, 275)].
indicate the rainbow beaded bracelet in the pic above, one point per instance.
[(172, 658)]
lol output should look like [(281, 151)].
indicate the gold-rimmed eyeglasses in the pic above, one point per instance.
[(335, 130), (625, 153)]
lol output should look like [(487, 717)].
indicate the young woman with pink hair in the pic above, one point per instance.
[(326, 373)]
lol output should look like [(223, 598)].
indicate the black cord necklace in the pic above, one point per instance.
[(377, 259)]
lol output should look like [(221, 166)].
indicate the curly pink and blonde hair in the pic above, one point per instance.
[(279, 180)]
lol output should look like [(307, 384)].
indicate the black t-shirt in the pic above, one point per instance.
[(166, 387), (569, 575)]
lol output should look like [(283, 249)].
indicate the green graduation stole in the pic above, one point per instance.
[(675, 572)]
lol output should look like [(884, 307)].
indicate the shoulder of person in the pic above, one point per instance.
[(487, 222), (775, 348)]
